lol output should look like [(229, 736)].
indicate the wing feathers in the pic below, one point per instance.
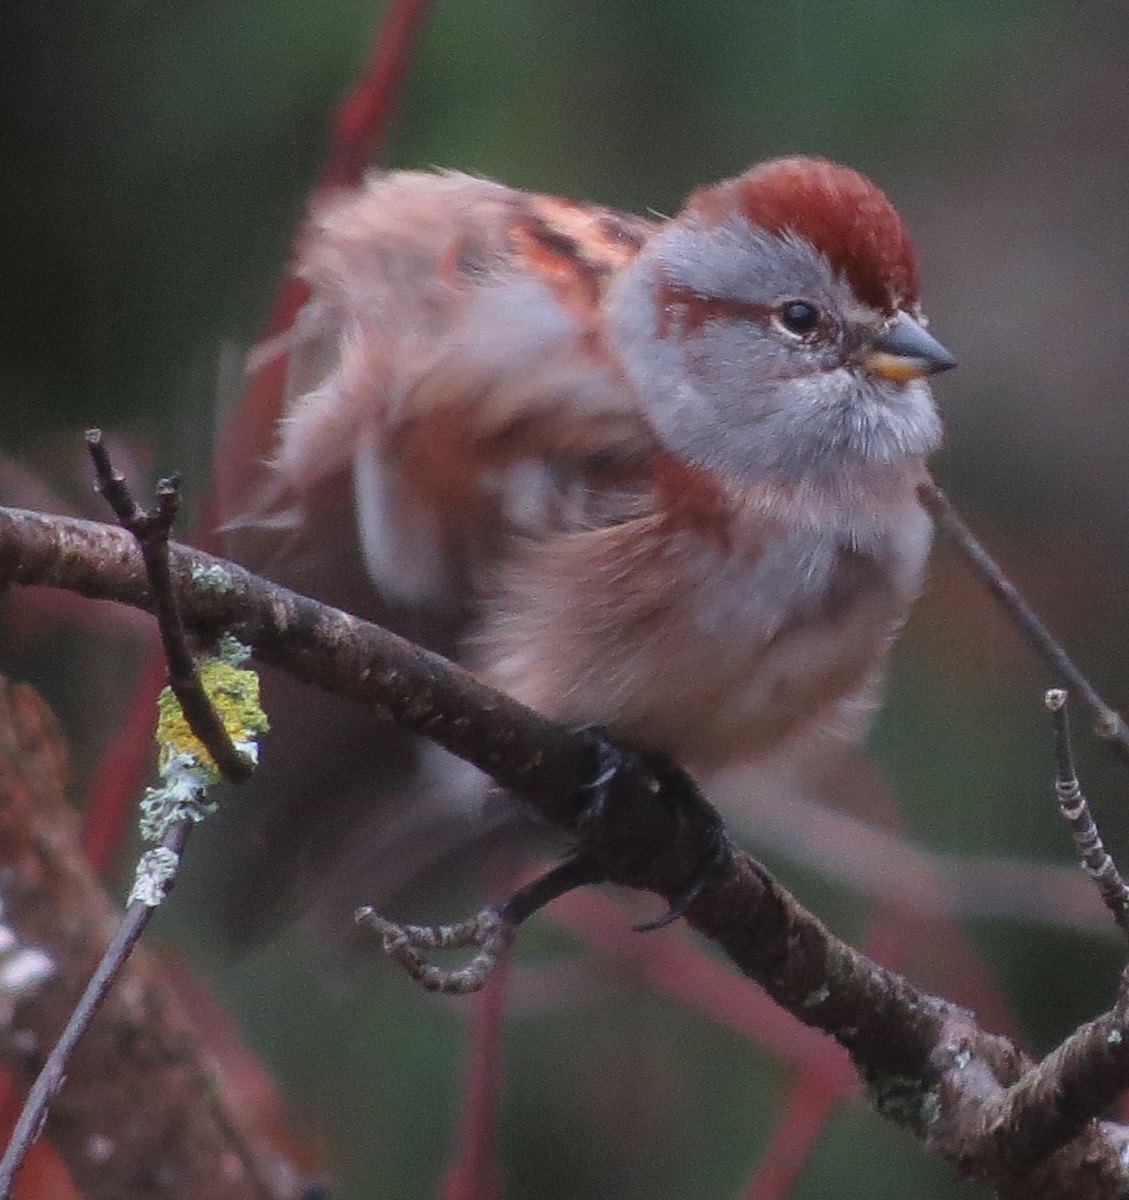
[(450, 357)]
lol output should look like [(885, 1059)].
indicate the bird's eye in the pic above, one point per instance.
[(798, 317)]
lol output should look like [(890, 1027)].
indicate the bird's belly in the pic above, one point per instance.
[(709, 654), (744, 661), (733, 704)]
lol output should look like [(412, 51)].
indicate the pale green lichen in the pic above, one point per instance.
[(1123, 1166), (186, 768), (817, 996), (902, 1099), (182, 796), (213, 577), (156, 870)]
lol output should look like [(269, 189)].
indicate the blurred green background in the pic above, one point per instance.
[(155, 162)]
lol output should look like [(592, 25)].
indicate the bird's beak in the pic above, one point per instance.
[(906, 350)]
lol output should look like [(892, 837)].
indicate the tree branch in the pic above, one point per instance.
[(926, 1062)]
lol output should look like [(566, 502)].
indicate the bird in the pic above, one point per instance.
[(653, 475)]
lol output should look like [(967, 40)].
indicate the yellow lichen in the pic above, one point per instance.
[(234, 693)]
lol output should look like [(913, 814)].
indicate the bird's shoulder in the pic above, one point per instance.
[(450, 360)]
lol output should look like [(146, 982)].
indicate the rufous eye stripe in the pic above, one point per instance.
[(683, 311)]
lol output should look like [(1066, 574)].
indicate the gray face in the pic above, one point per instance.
[(729, 387)]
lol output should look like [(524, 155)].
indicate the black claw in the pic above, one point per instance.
[(611, 761), (668, 918), (712, 869), (678, 907), (315, 1191)]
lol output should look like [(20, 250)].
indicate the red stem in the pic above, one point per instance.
[(811, 1103), (360, 124), (358, 131), (122, 763), (475, 1174)]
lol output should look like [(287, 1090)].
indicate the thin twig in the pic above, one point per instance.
[(1096, 861), (53, 1073), (158, 1087), (152, 529), (1109, 725), (151, 532)]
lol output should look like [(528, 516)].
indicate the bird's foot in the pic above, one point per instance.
[(643, 808)]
